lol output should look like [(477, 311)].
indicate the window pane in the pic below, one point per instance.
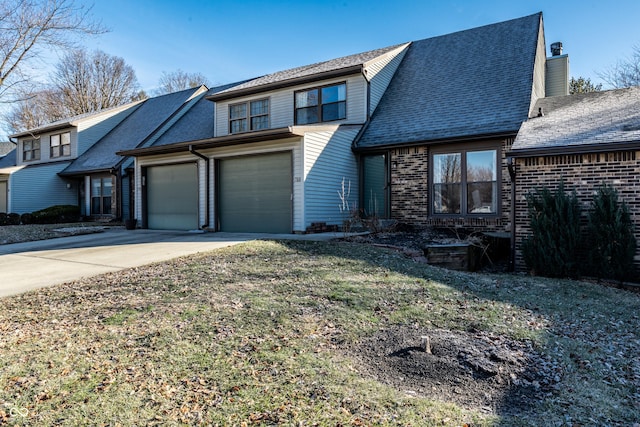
[(238, 126), (308, 98), (66, 138), (446, 198), (260, 107), (95, 205), (482, 197), (27, 145), (55, 140), (106, 205), (481, 166), (447, 168), (237, 111), (96, 187), (36, 154), (307, 115), (66, 150), (334, 94), (335, 111), (260, 122), (36, 145)]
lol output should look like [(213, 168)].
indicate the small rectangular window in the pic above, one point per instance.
[(60, 145), (30, 150), (253, 115), (323, 104)]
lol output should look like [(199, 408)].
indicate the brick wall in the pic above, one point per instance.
[(583, 173), (410, 192)]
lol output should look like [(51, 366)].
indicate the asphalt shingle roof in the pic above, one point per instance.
[(195, 124), (6, 147), (8, 160), (472, 82), (130, 133), (586, 119), (311, 70)]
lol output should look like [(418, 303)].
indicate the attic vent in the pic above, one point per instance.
[(631, 128), (556, 49)]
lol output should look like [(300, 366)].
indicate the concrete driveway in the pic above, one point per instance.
[(32, 265)]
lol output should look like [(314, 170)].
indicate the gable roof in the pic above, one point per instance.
[(72, 121), (131, 132), (197, 123), (579, 122), (459, 86), (338, 67)]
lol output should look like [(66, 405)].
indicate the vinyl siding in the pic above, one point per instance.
[(539, 72), (380, 72), (328, 159), (92, 129), (281, 104), (37, 187), (557, 83)]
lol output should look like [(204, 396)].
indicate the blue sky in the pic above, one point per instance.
[(234, 40)]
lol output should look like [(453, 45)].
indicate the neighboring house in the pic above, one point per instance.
[(30, 173), (6, 148), (280, 148), (584, 139)]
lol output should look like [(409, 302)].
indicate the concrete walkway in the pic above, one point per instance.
[(33, 265)]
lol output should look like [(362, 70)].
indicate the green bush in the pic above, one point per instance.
[(26, 218), (610, 237), (552, 248), (56, 214), (13, 219)]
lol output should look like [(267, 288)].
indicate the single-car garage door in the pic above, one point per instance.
[(172, 197), (254, 193)]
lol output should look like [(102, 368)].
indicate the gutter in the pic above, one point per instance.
[(512, 249), (574, 149), (233, 93), (207, 163), (471, 138)]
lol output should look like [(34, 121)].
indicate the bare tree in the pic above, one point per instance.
[(625, 73), (36, 109), (179, 80), (82, 83), (93, 82), (28, 28)]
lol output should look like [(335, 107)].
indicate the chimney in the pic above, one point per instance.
[(557, 72)]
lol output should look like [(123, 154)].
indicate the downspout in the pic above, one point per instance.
[(117, 172), (207, 184), (512, 174)]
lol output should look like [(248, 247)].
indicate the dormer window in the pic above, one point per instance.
[(321, 104), (60, 145), (256, 119), (30, 150)]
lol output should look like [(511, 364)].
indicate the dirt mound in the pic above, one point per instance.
[(473, 369)]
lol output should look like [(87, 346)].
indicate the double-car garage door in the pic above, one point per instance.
[(253, 194)]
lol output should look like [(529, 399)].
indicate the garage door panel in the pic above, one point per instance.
[(172, 197), (255, 193)]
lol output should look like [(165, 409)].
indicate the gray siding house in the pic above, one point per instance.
[(280, 149), (30, 174)]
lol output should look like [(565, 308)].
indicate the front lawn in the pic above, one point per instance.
[(307, 333)]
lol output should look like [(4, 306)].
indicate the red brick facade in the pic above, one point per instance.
[(583, 173), (410, 201)]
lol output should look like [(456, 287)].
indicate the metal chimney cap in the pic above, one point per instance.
[(556, 48)]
